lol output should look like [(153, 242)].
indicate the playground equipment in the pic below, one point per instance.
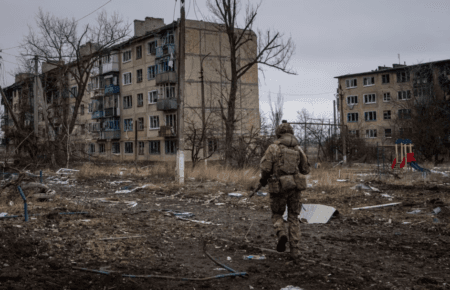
[(405, 156)]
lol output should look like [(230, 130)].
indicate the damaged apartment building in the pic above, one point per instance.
[(376, 103), (129, 110)]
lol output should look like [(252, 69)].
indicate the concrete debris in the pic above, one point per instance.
[(137, 188), (255, 257), (341, 180), (367, 193), (362, 186), (377, 206), (314, 213), (415, 211), (2, 214), (195, 221), (290, 287), (436, 210), (386, 195), (235, 194), (66, 171), (220, 204)]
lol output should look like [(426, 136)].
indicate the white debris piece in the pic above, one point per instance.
[(314, 213), (386, 195), (341, 180), (66, 171), (235, 194), (376, 206), (290, 287), (2, 214)]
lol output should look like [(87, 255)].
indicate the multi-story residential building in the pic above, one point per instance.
[(374, 101), (130, 107)]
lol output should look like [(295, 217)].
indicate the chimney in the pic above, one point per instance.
[(149, 24)]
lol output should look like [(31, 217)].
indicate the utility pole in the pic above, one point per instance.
[(335, 129), (180, 101), (35, 97), (343, 130), (203, 111)]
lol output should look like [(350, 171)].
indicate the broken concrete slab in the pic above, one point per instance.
[(314, 213)]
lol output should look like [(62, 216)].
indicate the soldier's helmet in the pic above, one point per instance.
[(283, 129)]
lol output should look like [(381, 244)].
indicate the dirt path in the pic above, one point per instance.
[(352, 251)]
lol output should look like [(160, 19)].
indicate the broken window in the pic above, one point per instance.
[(128, 147), (153, 147)]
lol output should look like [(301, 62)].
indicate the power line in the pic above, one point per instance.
[(9, 61), (9, 54), (300, 95), (10, 47), (93, 11)]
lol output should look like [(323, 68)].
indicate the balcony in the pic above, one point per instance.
[(166, 104), (166, 77), (98, 93), (109, 135), (112, 112), (166, 131), (110, 67), (97, 114), (166, 49), (112, 89)]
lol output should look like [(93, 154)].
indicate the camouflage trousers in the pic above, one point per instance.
[(278, 204)]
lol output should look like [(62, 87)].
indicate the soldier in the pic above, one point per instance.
[(281, 166)]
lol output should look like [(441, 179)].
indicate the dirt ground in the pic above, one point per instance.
[(141, 233)]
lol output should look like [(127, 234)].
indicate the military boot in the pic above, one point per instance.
[(282, 240), (295, 255)]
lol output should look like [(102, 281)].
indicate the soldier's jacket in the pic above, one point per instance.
[(272, 154)]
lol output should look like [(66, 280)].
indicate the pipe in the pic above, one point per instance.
[(166, 277), (25, 208), (218, 263)]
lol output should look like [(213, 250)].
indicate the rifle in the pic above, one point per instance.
[(255, 191)]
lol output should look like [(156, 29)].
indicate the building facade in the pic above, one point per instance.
[(129, 110), (375, 102)]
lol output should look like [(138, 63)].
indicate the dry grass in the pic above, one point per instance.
[(160, 170), (247, 177)]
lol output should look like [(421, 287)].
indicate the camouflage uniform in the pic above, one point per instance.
[(291, 198)]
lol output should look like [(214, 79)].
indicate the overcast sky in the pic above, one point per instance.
[(332, 37)]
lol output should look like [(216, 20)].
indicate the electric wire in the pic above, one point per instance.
[(93, 11), (300, 95)]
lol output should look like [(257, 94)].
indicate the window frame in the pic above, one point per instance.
[(373, 131), (91, 148), (384, 77), (384, 97), (151, 72), (155, 92), (402, 116), (403, 76), (151, 147), (141, 148), (350, 82), (354, 99), (128, 145), (140, 124), (140, 100), (355, 117), (129, 102), (406, 95), (124, 78), (387, 113), (101, 148), (366, 81), (370, 95), (367, 115), (82, 109), (149, 47), (139, 52), (386, 133), (168, 145), (114, 148), (128, 125), (141, 78), (153, 119), (130, 56)]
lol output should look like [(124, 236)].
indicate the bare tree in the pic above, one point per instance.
[(276, 111), (72, 50), (272, 51)]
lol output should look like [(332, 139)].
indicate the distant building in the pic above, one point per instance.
[(374, 100), (134, 87)]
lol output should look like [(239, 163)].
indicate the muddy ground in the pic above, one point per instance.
[(136, 233)]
